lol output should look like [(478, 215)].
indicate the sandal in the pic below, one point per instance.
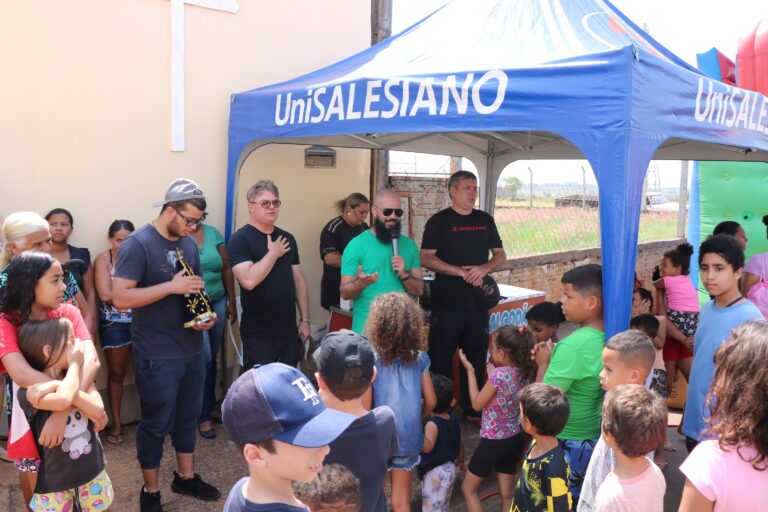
[(207, 434), (115, 438)]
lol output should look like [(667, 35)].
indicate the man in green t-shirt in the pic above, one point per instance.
[(374, 264), (574, 365)]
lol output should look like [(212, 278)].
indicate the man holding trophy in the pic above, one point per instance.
[(157, 275)]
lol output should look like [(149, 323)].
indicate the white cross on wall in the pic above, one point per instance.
[(177, 61)]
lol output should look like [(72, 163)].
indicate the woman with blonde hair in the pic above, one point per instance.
[(23, 231), (28, 231)]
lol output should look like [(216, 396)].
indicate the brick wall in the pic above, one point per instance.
[(543, 272), (428, 195)]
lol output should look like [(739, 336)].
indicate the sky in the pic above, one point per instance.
[(685, 27)]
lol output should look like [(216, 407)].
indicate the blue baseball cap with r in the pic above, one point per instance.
[(276, 401)]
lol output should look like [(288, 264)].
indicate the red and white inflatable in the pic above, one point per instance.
[(752, 60)]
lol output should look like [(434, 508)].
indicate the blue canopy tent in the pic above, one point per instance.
[(503, 80)]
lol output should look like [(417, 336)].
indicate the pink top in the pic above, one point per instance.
[(501, 417), (757, 265), (724, 477), (644, 493), (9, 332), (681, 295)]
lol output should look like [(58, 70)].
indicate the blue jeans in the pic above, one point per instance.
[(211, 344), (170, 391)]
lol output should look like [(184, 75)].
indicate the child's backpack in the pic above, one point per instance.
[(758, 294)]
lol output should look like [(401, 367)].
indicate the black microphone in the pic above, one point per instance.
[(394, 234)]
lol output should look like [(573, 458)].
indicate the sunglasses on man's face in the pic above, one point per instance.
[(389, 211), (275, 203)]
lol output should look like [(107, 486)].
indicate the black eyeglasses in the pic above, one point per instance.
[(189, 221), (389, 211), (266, 204)]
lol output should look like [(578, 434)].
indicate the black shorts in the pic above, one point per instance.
[(503, 455)]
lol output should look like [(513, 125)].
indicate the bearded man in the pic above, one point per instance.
[(379, 260)]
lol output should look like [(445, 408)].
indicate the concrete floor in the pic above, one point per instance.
[(219, 463)]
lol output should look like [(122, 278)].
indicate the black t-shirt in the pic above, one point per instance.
[(76, 461), (446, 447), (84, 255), (365, 447), (157, 330), (269, 310), (459, 240), (334, 238)]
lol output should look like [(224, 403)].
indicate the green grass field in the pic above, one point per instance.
[(545, 229)]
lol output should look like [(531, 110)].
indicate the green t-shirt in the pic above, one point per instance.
[(374, 256), (575, 368), (210, 262)]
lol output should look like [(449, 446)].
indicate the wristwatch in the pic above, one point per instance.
[(407, 276)]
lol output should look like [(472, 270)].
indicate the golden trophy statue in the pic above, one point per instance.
[(197, 306)]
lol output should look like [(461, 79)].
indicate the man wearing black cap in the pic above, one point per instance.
[(345, 364), (167, 357), (455, 245)]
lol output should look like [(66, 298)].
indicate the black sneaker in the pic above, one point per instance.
[(150, 501), (194, 487)]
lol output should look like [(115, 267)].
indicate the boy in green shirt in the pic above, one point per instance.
[(574, 365)]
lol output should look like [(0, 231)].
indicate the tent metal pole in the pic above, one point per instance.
[(505, 140), (488, 203), (462, 143), (682, 199), (364, 140)]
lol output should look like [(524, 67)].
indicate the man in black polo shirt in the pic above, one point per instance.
[(265, 260), (456, 245)]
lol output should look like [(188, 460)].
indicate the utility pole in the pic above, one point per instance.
[(381, 29), (583, 188)]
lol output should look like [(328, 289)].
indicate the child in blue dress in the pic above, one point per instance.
[(395, 329)]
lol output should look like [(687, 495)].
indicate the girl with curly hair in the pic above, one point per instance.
[(729, 471), (395, 329), (502, 440)]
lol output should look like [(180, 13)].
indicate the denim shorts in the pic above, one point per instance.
[(405, 462), (114, 334)]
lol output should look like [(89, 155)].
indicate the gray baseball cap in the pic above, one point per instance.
[(181, 189)]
